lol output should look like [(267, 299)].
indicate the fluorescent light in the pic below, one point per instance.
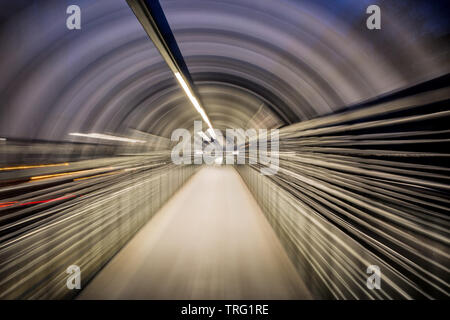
[(212, 133), (204, 136), (194, 101), (106, 137)]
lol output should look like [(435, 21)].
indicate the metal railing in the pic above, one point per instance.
[(86, 227)]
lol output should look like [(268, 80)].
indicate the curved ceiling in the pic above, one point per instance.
[(299, 59)]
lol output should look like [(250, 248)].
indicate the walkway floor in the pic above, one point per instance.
[(209, 241)]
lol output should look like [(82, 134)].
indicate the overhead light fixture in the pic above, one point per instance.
[(212, 133), (153, 20), (106, 137), (195, 102), (204, 136), (2, 139)]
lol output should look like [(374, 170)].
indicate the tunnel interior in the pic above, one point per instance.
[(362, 118)]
